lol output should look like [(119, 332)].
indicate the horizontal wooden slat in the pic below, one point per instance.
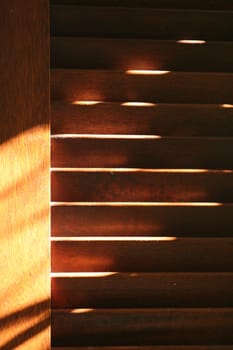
[(161, 119), (139, 186), (142, 327), (180, 254), (182, 4), (140, 23), (178, 220), (152, 347), (213, 153), (74, 85), (123, 54), (122, 290)]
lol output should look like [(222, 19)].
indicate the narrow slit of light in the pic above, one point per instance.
[(106, 136), (86, 103), (113, 239), (82, 274), (138, 104), (192, 42), (147, 72), (227, 105), (139, 170), (80, 311), (136, 204)]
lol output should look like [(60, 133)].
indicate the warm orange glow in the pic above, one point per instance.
[(141, 170), (227, 105), (191, 42), (82, 274), (86, 103), (138, 104), (24, 230), (137, 204), (81, 311), (105, 136), (147, 72), (13, 172), (113, 239)]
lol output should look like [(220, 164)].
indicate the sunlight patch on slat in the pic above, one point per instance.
[(227, 105), (138, 104), (82, 274), (112, 239), (80, 311), (105, 136), (192, 42), (137, 204), (147, 72), (141, 170), (86, 103)]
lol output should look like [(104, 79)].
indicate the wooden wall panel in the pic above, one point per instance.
[(24, 179)]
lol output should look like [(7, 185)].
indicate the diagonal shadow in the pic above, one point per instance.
[(27, 334), (33, 311)]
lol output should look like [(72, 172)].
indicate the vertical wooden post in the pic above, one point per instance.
[(24, 175)]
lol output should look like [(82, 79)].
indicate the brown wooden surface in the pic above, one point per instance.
[(180, 254), (152, 347), (154, 220), (161, 119), (182, 4), (24, 179), (200, 153), (142, 326), (124, 22), (189, 268), (88, 53), (175, 87), (139, 186), (126, 290)]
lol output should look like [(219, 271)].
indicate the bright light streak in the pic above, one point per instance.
[(191, 42), (147, 72), (104, 136), (86, 103), (137, 204), (80, 311), (112, 239), (82, 274), (141, 170), (227, 105), (138, 104)]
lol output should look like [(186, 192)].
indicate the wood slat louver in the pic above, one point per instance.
[(142, 175)]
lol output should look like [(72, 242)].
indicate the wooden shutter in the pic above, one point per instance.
[(142, 180)]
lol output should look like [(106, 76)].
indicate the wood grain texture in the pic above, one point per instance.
[(152, 347), (142, 326), (155, 220), (175, 4), (189, 268), (158, 153), (139, 186), (24, 180), (175, 255), (136, 290), (175, 87), (123, 54), (154, 24), (161, 119)]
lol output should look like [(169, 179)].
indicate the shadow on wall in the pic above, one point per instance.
[(36, 315), (24, 240)]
